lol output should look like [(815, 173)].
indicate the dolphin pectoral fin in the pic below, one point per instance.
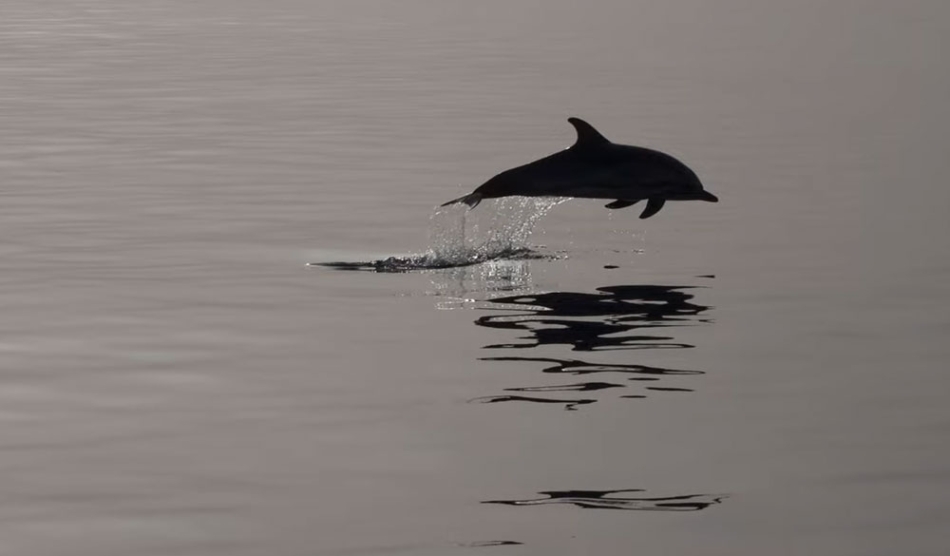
[(653, 206), (472, 200), (621, 203)]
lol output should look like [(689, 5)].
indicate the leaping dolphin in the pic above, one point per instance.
[(595, 168)]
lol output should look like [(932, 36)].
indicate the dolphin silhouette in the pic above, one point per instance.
[(595, 168)]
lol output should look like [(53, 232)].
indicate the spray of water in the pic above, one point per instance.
[(458, 237)]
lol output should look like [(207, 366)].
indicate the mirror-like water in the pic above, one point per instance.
[(175, 378)]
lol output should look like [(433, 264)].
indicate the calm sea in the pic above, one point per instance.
[(766, 375)]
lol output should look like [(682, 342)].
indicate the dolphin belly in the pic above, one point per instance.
[(597, 188), (579, 187), (621, 203)]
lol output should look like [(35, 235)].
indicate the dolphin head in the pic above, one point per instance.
[(693, 190)]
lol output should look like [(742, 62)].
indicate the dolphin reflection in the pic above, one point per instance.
[(597, 321), (608, 320)]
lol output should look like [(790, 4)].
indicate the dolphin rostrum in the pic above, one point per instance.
[(595, 168)]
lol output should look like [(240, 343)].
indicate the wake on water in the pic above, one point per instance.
[(459, 237)]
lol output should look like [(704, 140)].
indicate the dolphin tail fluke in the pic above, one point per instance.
[(472, 200)]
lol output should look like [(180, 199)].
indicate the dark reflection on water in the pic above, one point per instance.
[(578, 367), (570, 404), (613, 321), (488, 544), (618, 500), (598, 321), (614, 318)]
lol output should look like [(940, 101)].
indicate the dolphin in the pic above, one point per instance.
[(595, 168)]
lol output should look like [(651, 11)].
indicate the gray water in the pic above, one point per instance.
[(767, 375)]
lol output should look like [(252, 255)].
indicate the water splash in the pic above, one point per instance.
[(459, 237)]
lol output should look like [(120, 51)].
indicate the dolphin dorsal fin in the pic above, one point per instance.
[(587, 136)]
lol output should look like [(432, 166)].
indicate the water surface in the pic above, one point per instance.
[(766, 375)]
